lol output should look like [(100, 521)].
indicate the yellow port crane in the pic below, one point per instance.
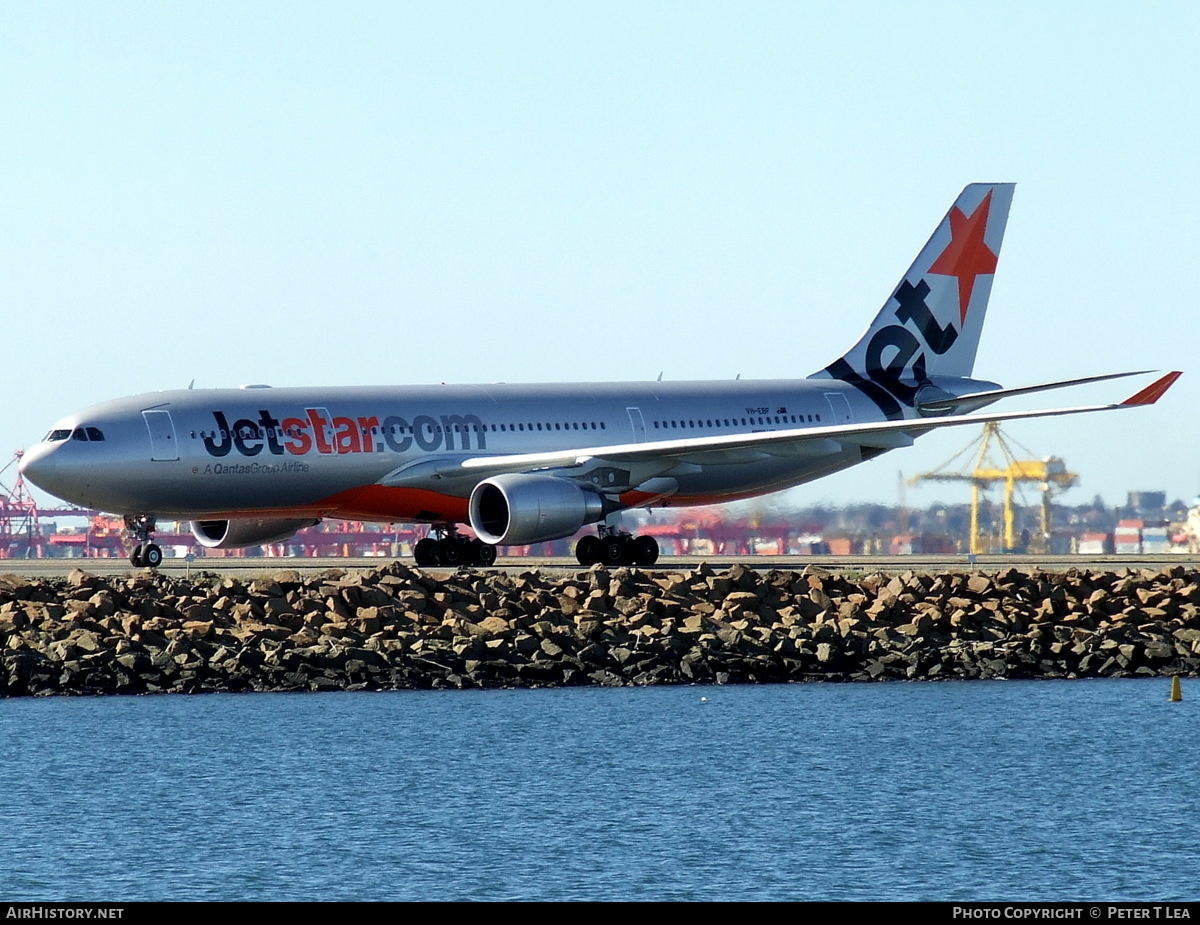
[(1050, 474)]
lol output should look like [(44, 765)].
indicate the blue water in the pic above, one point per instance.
[(1067, 790)]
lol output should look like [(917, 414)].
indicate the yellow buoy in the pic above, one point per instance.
[(1176, 692)]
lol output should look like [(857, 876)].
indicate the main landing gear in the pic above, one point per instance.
[(445, 546), (145, 553), (613, 547)]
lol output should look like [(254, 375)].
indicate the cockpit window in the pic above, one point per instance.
[(86, 434)]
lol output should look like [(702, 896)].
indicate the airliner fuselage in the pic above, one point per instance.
[(321, 453)]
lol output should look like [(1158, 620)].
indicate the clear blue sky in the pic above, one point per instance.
[(328, 193)]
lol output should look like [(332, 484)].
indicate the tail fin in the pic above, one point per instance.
[(930, 325)]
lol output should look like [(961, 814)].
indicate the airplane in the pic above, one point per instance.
[(523, 464)]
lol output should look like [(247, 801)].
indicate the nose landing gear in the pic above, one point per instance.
[(145, 553)]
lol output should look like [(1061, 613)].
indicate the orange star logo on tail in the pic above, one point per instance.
[(967, 255)]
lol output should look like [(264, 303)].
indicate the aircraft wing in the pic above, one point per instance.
[(794, 442)]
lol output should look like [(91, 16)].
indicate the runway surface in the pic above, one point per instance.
[(50, 568)]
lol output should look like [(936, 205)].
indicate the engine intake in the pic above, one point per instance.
[(518, 509), (230, 534)]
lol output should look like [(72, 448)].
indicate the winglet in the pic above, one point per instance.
[(1153, 392)]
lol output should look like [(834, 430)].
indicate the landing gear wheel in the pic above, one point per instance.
[(645, 550), (587, 550), (140, 529), (612, 551), (485, 555), (426, 552), (450, 550)]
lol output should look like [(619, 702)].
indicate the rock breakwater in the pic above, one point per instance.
[(396, 628)]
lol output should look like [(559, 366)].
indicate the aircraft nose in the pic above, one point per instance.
[(45, 466), (37, 465)]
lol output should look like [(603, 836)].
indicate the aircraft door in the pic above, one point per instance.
[(840, 408), (638, 423), (163, 445), (327, 435)]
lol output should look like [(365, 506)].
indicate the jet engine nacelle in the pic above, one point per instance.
[(517, 509), (230, 534)]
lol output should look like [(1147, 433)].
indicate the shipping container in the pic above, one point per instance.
[(1095, 544)]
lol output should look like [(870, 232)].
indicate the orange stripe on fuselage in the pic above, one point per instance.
[(402, 505), (381, 504), (637, 498), (369, 503)]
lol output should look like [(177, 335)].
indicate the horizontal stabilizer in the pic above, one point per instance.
[(953, 403)]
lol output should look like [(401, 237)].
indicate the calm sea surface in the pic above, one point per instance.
[(1068, 790)]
